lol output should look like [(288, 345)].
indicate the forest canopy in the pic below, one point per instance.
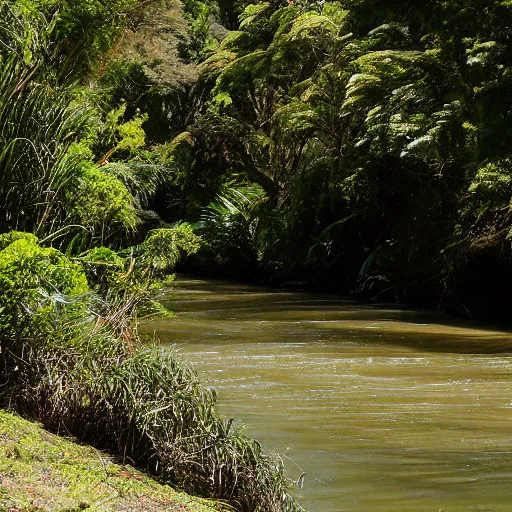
[(361, 145), (378, 135)]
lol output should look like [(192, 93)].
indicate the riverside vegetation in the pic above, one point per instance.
[(80, 256), (41, 471), (72, 359), (362, 144)]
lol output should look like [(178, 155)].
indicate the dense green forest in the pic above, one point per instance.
[(360, 145), (357, 145)]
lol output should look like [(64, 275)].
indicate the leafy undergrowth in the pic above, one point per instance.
[(72, 360), (40, 471)]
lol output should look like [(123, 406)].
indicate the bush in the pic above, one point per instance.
[(103, 268), (71, 360), (104, 205), (8, 238), (33, 280), (164, 248)]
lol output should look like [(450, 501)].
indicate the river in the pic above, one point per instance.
[(384, 409)]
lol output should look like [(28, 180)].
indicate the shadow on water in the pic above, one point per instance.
[(334, 316)]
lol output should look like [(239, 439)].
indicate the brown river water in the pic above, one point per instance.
[(384, 409)]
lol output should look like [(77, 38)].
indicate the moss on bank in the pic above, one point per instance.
[(40, 471)]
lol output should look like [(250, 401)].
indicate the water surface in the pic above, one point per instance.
[(384, 409)]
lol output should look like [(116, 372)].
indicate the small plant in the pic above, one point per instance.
[(164, 248)]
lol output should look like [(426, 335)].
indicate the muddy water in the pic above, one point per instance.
[(384, 409)]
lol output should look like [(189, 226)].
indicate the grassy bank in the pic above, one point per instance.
[(41, 471), (71, 359)]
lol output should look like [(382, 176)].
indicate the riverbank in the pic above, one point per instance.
[(72, 359), (41, 471)]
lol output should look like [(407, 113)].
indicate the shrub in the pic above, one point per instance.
[(104, 205), (74, 362), (103, 268), (8, 238), (32, 280), (164, 248)]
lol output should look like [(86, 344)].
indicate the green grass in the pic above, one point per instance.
[(40, 471)]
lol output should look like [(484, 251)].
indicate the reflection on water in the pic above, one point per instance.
[(384, 409)]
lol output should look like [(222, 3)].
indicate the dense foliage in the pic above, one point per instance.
[(80, 251), (72, 360), (68, 158), (380, 135), (362, 145)]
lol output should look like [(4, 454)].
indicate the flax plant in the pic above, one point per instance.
[(37, 125)]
